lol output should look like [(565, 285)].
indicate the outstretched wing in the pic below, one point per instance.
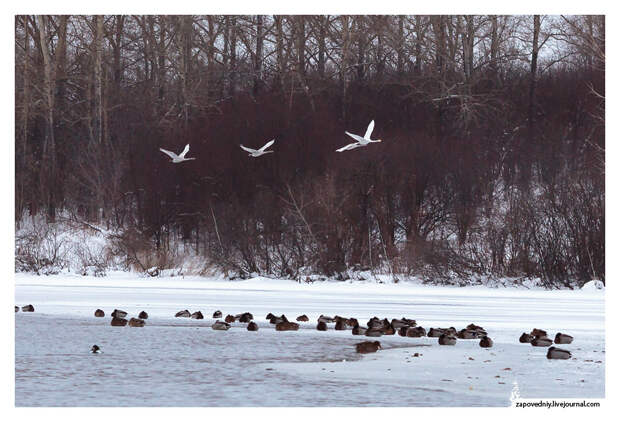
[(356, 137), (169, 153), (348, 147), (267, 145), (247, 149), (371, 126), (182, 155)]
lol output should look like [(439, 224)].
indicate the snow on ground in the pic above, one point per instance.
[(593, 285), (181, 362)]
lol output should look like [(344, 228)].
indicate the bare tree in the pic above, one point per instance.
[(49, 145)]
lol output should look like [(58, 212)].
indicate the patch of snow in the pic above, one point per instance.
[(593, 285)]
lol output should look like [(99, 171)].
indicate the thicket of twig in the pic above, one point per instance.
[(492, 160)]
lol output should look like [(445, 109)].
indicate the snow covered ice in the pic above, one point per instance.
[(183, 362)]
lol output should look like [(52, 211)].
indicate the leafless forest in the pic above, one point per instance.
[(492, 160)]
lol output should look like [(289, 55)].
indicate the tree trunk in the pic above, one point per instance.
[(590, 40), (440, 41), (345, 62), (232, 45), (279, 52), (531, 109), (468, 47), (212, 38), (160, 46), (98, 71), (400, 60), (210, 54), (117, 66), (379, 29), (60, 57), (301, 45), (419, 37), (186, 57), (323, 22), (25, 116), (494, 47), (361, 48), (258, 56), (453, 31), (49, 144)]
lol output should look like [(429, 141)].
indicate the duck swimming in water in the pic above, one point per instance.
[(561, 338), (557, 353), (367, 347), (95, 349), (220, 326)]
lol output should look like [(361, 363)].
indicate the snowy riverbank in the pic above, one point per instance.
[(308, 362)]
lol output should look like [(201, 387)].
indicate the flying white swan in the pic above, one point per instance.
[(259, 152), (178, 158), (361, 142)]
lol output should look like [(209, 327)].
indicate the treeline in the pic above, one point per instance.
[(492, 160)]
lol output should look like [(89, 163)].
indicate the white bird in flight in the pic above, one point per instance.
[(260, 151), (178, 158), (361, 142)]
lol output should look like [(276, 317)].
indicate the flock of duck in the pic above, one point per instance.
[(375, 327), (359, 142)]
